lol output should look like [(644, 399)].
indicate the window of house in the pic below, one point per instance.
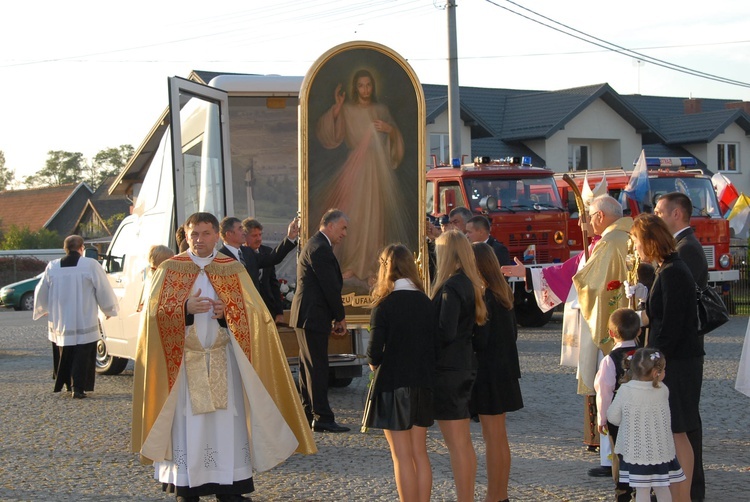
[(578, 157), (728, 154), (440, 148)]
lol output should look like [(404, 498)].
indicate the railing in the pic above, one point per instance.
[(737, 297)]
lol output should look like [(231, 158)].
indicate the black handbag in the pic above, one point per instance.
[(712, 312)]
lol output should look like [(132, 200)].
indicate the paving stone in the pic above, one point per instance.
[(55, 448)]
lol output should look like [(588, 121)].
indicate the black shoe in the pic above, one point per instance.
[(233, 498), (79, 394), (328, 427), (601, 472), (187, 499)]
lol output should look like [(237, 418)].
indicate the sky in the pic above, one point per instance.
[(83, 76)]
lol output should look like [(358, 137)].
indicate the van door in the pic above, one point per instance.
[(201, 161)]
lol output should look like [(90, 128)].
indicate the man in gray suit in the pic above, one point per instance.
[(675, 210)]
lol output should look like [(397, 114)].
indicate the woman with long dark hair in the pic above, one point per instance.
[(673, 329), (496, 388), (402, 330)]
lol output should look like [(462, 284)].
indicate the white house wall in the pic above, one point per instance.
[(732, 134), (611, 139), (441, 126)]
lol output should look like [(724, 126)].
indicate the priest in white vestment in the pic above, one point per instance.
[(71, 292), (213, 397)]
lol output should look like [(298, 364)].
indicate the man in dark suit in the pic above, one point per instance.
[(675, 210), (458, 218), (478, 230), (318, 312), (262, 261), (233, 236)]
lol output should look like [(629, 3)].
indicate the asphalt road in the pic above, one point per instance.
[(55, 448)]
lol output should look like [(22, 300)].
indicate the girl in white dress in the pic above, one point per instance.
[(644, 442)]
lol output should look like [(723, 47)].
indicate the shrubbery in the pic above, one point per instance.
[(18, 268)]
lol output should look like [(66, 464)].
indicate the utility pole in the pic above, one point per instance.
[(454, 101)]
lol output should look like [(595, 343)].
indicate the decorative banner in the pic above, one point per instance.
[(362, 141)]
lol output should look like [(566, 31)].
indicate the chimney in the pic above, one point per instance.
[(692, 105), (742, 105)]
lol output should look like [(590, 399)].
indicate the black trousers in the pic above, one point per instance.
[(313, 374), (76, 367)]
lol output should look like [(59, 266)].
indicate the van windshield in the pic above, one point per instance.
[(515, 194)]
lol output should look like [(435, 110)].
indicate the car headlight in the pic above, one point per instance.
[(725, 261), (6, 291)]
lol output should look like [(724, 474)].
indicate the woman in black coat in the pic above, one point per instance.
[(402, 336), (459, 302), (673, 329), (496, 389)]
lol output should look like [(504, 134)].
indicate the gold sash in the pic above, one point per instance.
[(207, 392)]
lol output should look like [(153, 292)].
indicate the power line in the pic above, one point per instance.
[(307, 12), (609, 46)]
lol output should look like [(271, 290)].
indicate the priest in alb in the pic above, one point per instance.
[(213, 397)]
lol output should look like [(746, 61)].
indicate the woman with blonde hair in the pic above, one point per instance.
[(402, 334), (673, 330), (458, 298), (156, 255), (496, 389)]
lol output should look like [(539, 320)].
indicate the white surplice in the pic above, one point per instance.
[(72, 296)]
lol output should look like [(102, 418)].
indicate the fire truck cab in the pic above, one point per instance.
[(710, 227), (524, 208)]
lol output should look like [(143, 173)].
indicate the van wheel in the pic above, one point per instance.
[(107, 364)]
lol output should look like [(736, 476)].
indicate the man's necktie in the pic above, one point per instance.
[(241, 257)]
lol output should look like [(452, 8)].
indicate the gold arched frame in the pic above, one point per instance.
[(357, 311)]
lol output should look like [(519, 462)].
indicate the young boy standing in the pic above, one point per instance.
[(624, 327)]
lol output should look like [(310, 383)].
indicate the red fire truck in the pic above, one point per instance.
[(711, 229), (524, 209)]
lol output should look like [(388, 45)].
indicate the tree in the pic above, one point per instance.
[(109, 162), (113, 221), (7, 176), (61, 168), (23, 238)]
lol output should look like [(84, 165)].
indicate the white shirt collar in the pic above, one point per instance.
[(233, 249), (404, 285), (202, 262), (625, 343), (680, 231), (329, 240)]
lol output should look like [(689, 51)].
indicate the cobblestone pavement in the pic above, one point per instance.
[(55, 448)]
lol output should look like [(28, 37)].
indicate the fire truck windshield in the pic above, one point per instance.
[(700, 191), (514, 194)]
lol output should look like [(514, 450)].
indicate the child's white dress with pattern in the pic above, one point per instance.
[(644, 440)]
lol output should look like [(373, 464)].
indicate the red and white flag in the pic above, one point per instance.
[(725, 191)]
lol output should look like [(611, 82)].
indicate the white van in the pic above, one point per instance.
[(254, 173)]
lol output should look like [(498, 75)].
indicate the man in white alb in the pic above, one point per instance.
[(71, 292)]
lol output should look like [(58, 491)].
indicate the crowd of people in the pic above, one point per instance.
[(214, 400)]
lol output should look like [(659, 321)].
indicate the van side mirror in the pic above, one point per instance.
[(91, 252)]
